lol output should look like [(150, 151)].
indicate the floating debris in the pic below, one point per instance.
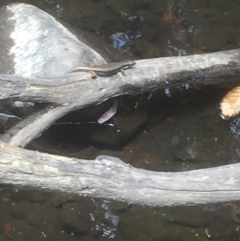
[(108, 114), (230, 104)]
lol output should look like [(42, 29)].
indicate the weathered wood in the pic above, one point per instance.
[(206, 69), (78, 90), (108, 177)]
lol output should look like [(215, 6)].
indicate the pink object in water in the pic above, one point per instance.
[(108, 114)]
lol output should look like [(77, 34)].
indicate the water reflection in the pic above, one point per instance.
[(182, 133), (235, 126), (122, 41)]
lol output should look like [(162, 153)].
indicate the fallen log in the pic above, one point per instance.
[(77, 90), (109, 177), (205, 69)]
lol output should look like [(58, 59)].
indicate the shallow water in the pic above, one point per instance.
[(182, 131)]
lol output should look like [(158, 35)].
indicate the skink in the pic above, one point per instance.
[(104, 69)]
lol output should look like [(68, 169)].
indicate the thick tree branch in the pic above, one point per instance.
[(146, 75), (108, 177), (78, 90)]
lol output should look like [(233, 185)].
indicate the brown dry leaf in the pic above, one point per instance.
[(230, 104)]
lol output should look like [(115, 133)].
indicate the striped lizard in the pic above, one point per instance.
[(104, 70)]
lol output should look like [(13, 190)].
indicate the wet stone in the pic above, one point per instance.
[(148, 158), (22, 209), (29, 196), (76, 220), (195, 217), (234, 126), (143, 224), (120, 207), (58, 200), (117, 6), (212, 38), (34, 220), (152, 50)]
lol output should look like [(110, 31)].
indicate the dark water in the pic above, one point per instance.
[(183, 129)]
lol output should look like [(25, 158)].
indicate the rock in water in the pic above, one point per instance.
[(35, 44)]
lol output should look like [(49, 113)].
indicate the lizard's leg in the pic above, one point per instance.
[(94, 75), (123, 73)]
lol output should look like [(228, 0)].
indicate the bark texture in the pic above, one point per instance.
[(109, 177), (77, 90)]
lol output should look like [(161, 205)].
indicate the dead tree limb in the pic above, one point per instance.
[(78, 90), (206, 69), (108, 177)]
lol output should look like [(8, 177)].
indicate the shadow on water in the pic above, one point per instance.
[(167, 130)]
